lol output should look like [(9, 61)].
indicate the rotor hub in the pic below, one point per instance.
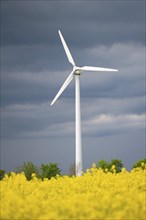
[(77, 72)]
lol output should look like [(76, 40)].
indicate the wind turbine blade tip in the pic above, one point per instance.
[(69, 56)]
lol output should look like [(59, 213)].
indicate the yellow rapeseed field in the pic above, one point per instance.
[(95, 195)]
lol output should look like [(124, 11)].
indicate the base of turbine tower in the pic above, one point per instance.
[(79, 171)]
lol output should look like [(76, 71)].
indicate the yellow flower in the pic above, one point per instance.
[(124, 170), (142, 164), (93, 165), (91, 196), (88, 170), (106, 170), (33, 175)]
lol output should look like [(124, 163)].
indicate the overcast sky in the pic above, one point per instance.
[(34, 66)]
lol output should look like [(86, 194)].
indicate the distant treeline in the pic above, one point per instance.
[(52, 170)]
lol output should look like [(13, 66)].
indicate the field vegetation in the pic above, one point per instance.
[(100, 193)]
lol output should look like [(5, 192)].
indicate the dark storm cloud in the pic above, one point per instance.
[(34, 66), (30, 42), (41, 85), (36, 22), (29, 29), (41, 121)]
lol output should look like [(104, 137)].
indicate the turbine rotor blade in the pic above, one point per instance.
[(92, 68), (69, 56), (65, 84)]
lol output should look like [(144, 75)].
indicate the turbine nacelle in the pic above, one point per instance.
[(77, 70)]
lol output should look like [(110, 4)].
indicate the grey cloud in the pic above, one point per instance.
[(42, 120), (34, 66), (42, 85), (36, 22)]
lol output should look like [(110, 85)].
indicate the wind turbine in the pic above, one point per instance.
[(76, 72)]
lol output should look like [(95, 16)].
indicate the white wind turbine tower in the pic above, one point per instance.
[(76, 72)]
